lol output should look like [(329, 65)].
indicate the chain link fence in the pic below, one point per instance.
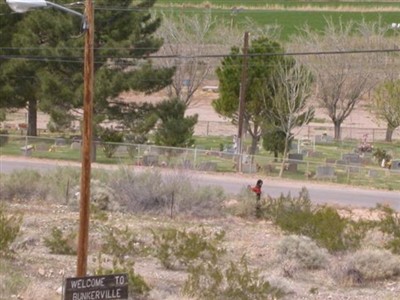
[(308, 161), (211, 128)]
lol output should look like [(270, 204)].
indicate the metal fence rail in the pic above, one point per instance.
[(304, 162), (209, 128)]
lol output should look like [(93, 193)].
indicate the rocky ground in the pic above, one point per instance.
[(45, 272)]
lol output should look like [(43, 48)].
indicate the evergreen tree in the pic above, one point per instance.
[(51, 72), (258, 85), (174, 130)]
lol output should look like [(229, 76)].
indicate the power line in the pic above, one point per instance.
[(190, 57)]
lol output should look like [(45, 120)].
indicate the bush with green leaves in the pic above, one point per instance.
[(174, 128), (368, 265), (13, 278), (180, 248), (137, 284), (208, 280), (381, 154), (123, 246), (10, 226), (22, 185), (122, 243), (60, 243), (298, 216), (110, 140), (168, 194), (303, 251), (390, 224)]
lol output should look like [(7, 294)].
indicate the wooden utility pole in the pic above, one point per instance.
[(84, 211), (242, 95)]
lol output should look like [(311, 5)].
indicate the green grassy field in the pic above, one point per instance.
[(286, 4), (290, 16)]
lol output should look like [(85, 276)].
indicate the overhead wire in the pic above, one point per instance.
[(104, 59)]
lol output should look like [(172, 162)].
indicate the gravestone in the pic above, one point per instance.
[(76, 145), (353, 169), (395, 165), (293, 160), (292, 167), (352, 158), (325, 172), (27, 150), (321, 139), (60, 142)]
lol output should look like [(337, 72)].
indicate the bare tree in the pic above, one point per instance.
[(292, 85), (187, 41), (342, 79), (386, 106)]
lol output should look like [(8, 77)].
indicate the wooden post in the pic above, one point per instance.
[(84, 212), (243, 82)]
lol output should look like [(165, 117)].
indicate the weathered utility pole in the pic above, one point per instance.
[(84, 211), (242, 95)]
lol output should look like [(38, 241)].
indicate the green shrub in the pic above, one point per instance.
[(176, 248), (279, 209), (110, 140), (123, 246), (169, 194), (60, 244), (390, 224), (201, 201), (122, 243), (381, 154), (23, 185), (323, 224), (327, 227), (10, 226), (137, 285), (304, 251), (369, 265), (236, 282), (13, 279)]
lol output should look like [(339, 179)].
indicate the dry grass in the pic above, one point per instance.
[(258, 240)]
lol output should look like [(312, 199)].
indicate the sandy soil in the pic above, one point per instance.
[(258, 240), (209, 121)]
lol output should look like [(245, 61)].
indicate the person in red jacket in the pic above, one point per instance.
[(257, 190)]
